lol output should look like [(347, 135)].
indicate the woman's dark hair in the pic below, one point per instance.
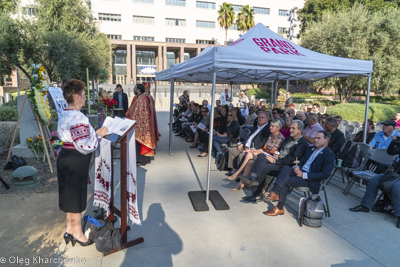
[(140, 87), (226, 107), (205, 108), (217, 111), (371, 122), (72, 87)]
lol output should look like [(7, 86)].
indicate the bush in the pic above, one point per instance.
[(6, 134), (356, 112), (12, 103), (259, 93), (8, 113)]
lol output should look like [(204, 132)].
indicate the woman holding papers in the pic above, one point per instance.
[(80, 140), (270, 147)]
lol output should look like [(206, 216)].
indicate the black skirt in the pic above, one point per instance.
[(72, 173)]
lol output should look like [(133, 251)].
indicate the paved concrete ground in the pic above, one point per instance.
[(175, 235)]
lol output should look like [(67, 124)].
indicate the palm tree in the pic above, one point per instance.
[(245, 19), (226, 17)]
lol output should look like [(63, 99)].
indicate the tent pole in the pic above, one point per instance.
[(272, 95), (276, 92), (155, 89), (287, 85), (171, 110), (366, 110), (231, 93), (210, 136)]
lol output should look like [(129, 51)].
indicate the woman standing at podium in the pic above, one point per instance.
[(80, 140)]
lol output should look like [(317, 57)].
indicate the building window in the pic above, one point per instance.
[(236, 8), (28, 11), (283, 12), (282, 30), (206, 5), (145, 58), (143, 38), (261, 10), (144, 20), (110, 17), (175, 2), (175, 22), (143, 1), (175, 40), (233, 27), (205, 24), (205, 41), (113, 36)]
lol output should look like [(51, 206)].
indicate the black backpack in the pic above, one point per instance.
[(311, 211), (350, 153)]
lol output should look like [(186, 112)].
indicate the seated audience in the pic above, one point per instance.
[(339, 125), (285, 131), (291, 113), (369, 197), (370, 133), (383, 138), (241, 120), (312, 129), (231, 133), (337, 139), (323, 120), (249, 123), (245, 110), (276, 115), (302, 118), (397, 119), (258, 137), (291, 149), (315, 166), (270, 147)]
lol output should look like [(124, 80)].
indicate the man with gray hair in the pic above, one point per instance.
[(312, 129), (302, 118), (337, 139), (290, 150)]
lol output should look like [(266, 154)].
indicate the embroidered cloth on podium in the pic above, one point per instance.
[(103, 164)]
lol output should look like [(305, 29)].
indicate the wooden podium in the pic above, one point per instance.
[(123, 211)]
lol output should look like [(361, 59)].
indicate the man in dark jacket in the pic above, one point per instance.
[(369, 197), (290, 150), (289, 101), (337, 139), (121, 98), (315, 166), (257, 139)]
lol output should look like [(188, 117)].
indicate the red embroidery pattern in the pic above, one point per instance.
[(101, 196), (79, 132), (106, 184), (133, 212), (130, 174)]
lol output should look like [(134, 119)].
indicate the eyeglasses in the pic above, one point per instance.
[(274, 113), (323, 117), (230, 115), (204, 111)]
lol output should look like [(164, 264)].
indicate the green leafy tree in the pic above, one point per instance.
[(62, 36), (245, 19), (313, 9), (8, 6), (360, 34), (226, 17)]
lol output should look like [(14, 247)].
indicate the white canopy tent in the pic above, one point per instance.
[(260, 56)]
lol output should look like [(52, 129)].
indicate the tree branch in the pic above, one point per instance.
[(24, 71)]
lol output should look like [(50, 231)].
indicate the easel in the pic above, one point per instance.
[(122, 213), (45, 134)]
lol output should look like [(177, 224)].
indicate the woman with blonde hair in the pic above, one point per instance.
[(270, 147)]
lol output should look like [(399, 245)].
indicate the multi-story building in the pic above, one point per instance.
[(151, 35)]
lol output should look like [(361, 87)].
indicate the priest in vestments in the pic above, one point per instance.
[(152, 110), (140, 111)]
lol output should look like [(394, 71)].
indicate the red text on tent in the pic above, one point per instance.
[(276, 46)]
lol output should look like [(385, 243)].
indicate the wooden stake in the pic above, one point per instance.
[(46, 134), (44, 142), (16, 126)]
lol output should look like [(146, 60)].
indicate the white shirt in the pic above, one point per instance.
[(222, 99), (248, 143), (306, 167), (74, 127)]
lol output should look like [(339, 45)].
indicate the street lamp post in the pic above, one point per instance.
[(291, 19)]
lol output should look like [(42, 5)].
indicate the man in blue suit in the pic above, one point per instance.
[(315, 166)]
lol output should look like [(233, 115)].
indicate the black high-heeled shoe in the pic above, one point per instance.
[(83, 244), (67, 238)]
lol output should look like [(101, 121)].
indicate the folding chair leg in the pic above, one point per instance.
[(342, 175), (331, 176), (328, 213), (347, 189)]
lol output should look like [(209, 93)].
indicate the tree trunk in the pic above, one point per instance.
[(226, 36)]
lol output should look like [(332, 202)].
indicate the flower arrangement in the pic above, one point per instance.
[(56, 142), (39, 89), (109, 102), (36, 144)]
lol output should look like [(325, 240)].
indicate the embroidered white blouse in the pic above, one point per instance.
[(74, 127)]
